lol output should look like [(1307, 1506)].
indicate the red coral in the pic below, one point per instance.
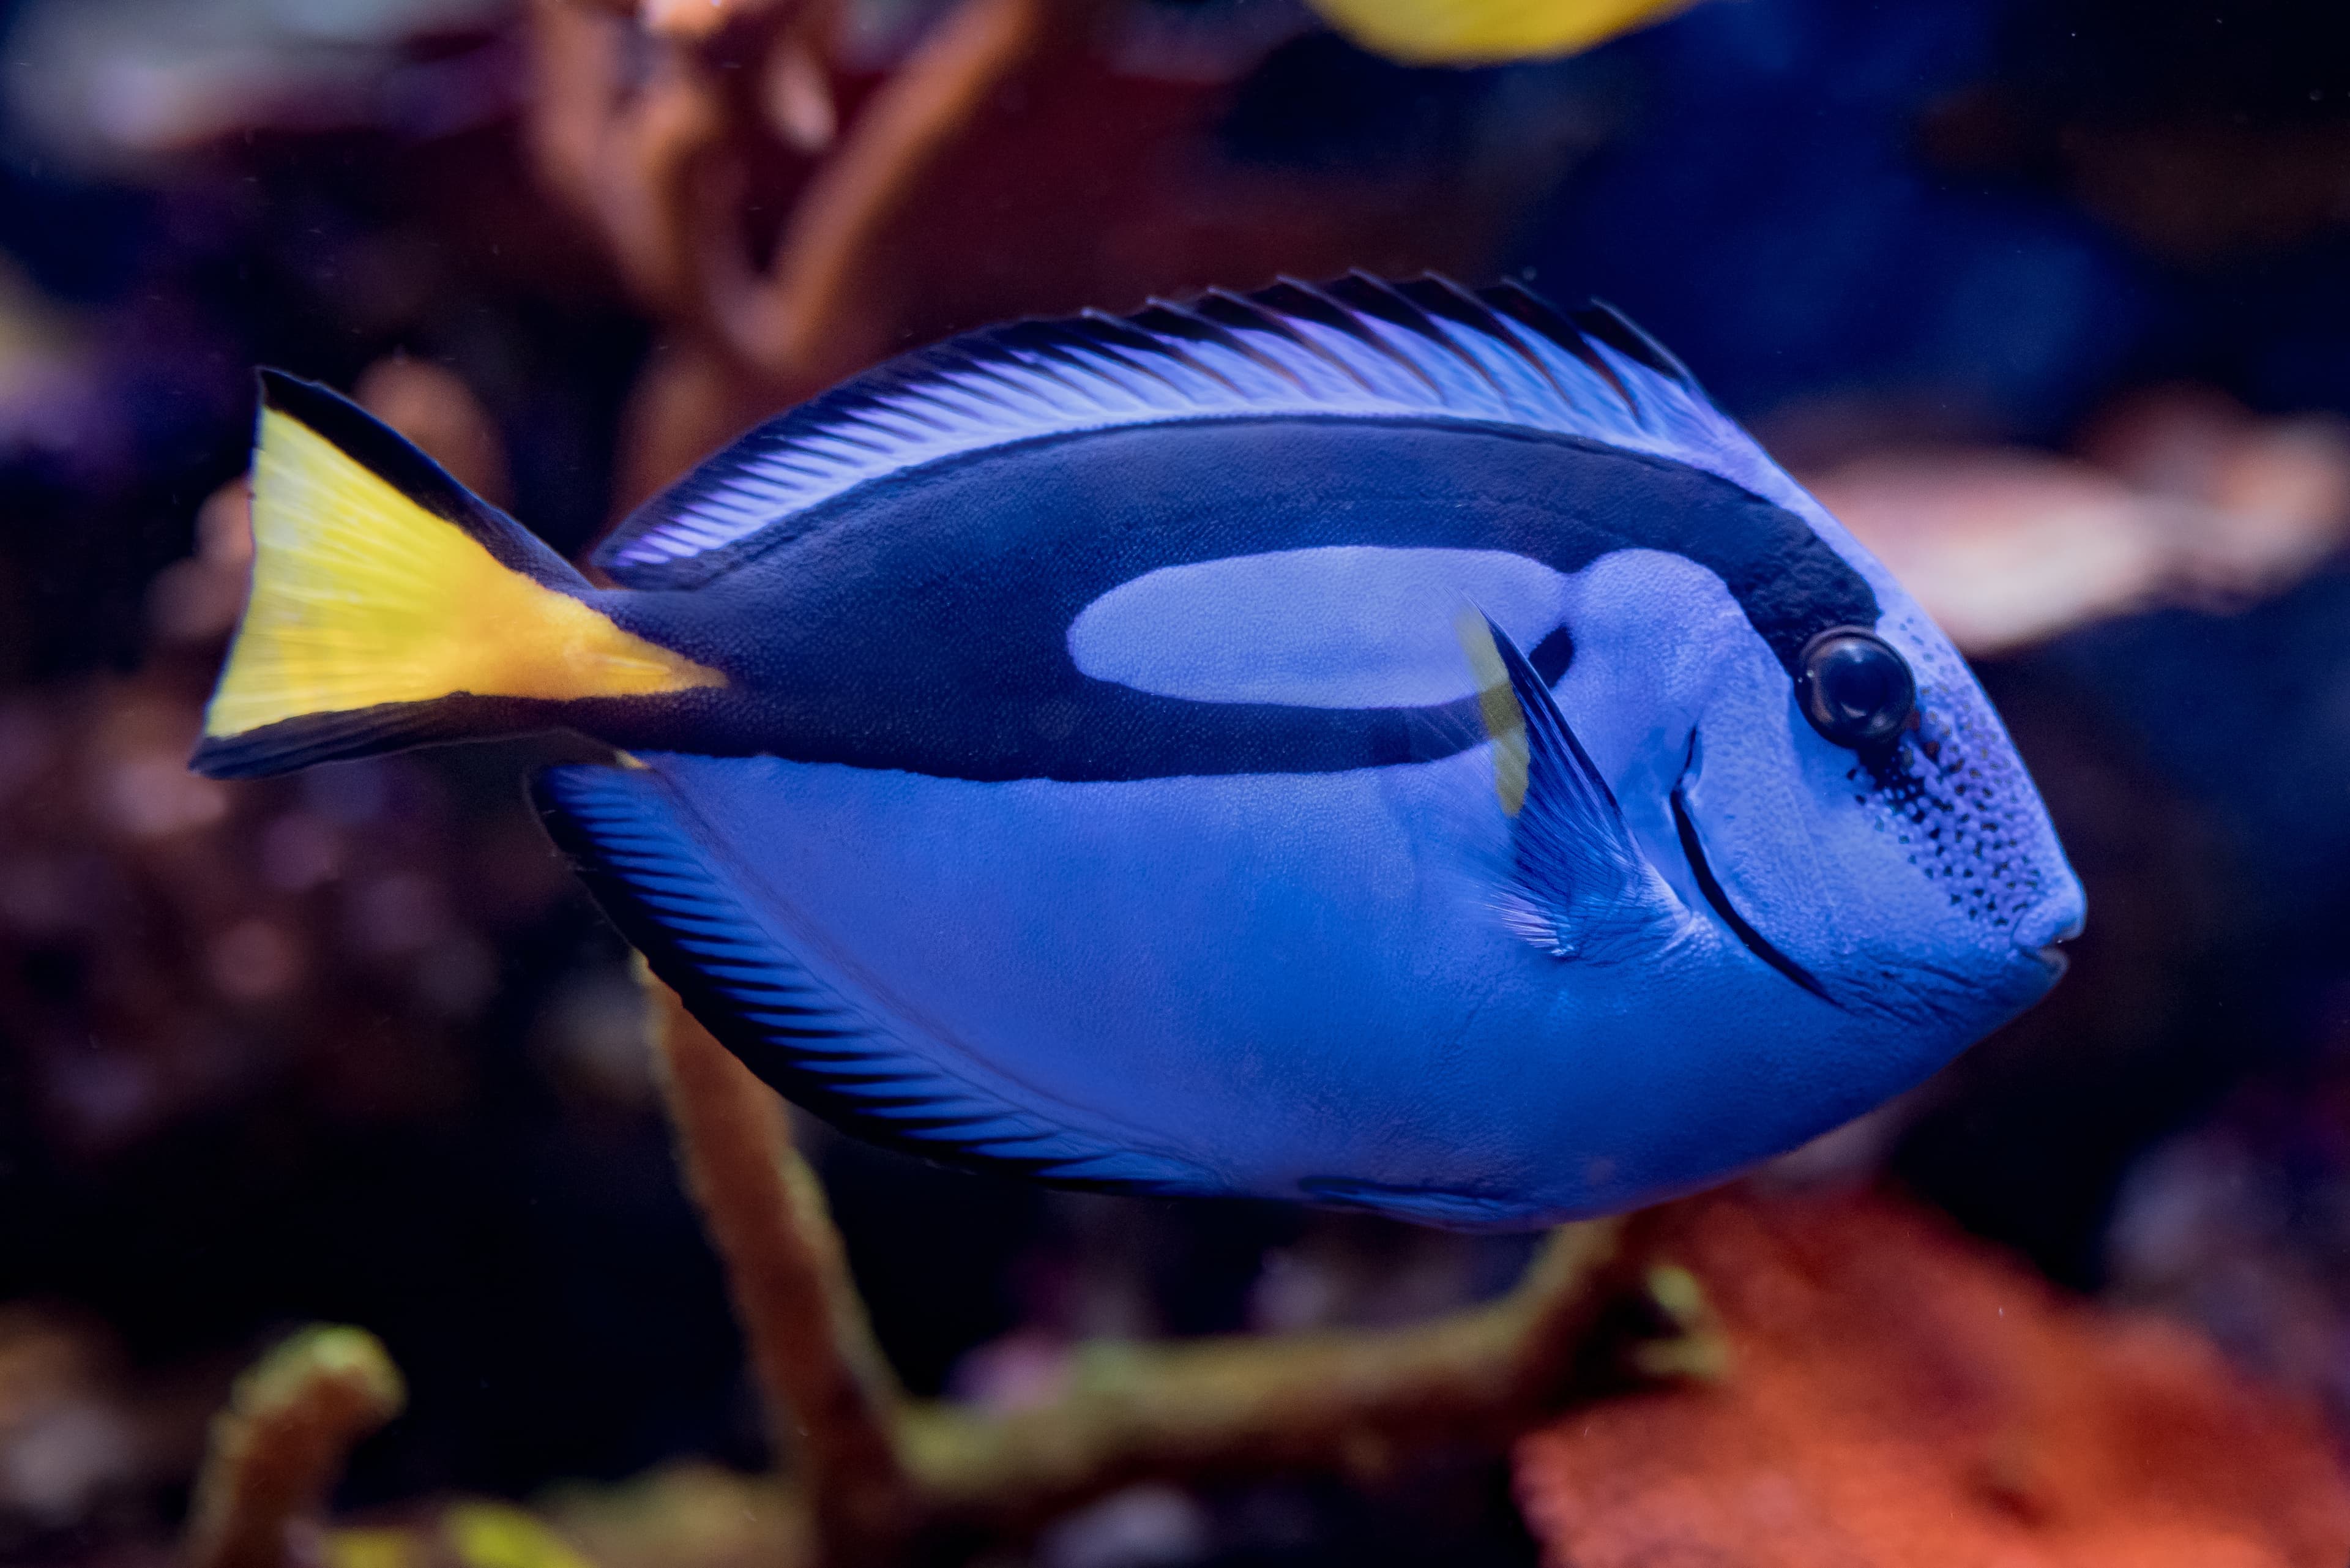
[(1902, 1397)]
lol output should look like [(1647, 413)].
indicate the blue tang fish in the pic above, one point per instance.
[(1377, 745)]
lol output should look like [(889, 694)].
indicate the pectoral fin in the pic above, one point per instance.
[(1578, 884)]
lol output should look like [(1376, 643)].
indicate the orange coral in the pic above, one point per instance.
[(1900, 1397)]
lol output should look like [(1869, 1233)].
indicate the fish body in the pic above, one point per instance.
[(1379, 746)]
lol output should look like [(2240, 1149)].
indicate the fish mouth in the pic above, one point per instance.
[(2046, 950), (1710, 886)]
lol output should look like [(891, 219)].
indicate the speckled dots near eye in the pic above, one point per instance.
[(1940, 792)]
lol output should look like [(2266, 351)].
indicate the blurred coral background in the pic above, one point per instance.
[(2049, 299)]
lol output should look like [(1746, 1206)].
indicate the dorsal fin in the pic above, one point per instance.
[(1359, 347)]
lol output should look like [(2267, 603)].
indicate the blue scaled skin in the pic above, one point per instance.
[(1377, 744)]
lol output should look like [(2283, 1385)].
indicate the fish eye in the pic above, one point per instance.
[(1853, 688)]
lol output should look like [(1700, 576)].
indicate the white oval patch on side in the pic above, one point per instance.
[(1341, 625)]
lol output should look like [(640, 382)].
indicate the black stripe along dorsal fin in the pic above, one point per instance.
[(1242, 313), (1442, 296), (1201, 310), (1371, 298), (1603, 321), (1436, 300), (1055, 347), (1530, 310), (1174, 321), (1130, 344), (1302, 301), (1419, 349)]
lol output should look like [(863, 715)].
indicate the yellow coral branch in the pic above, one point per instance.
[(881, 1478), (1338, 1401), (278, 1448)]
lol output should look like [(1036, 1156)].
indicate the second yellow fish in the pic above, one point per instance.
[(1488, 32)]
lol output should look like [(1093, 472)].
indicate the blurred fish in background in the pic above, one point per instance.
[(1487, 32), (2041, 298)]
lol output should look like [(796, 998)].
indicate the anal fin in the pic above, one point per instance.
[(699, 926)]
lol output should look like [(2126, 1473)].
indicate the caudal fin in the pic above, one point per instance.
[(390, 607)]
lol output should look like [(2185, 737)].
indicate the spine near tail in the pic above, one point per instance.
[(390, 607)]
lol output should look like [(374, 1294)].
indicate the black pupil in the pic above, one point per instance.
[(1860, 691), (1857, 681)]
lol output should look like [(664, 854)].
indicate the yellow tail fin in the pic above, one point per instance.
[(390, 606), (1487, 32)]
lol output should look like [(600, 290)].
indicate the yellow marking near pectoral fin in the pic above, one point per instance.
[(1487, 32), (1497, 706), (361, 597)]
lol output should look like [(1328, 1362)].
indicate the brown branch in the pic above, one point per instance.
[(632, 154), (683, 18), (828, 1391), (881, 1471), (699, 19), (884, 1479), (1337, 1401), (277, 1450), (807, 320), (660, 162)]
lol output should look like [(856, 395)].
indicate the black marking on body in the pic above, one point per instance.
[(1604, 322), (1693, 851), (1347, 347), (919, 622), (1552, 656)]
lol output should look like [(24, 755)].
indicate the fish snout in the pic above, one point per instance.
[(2055, 919)]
